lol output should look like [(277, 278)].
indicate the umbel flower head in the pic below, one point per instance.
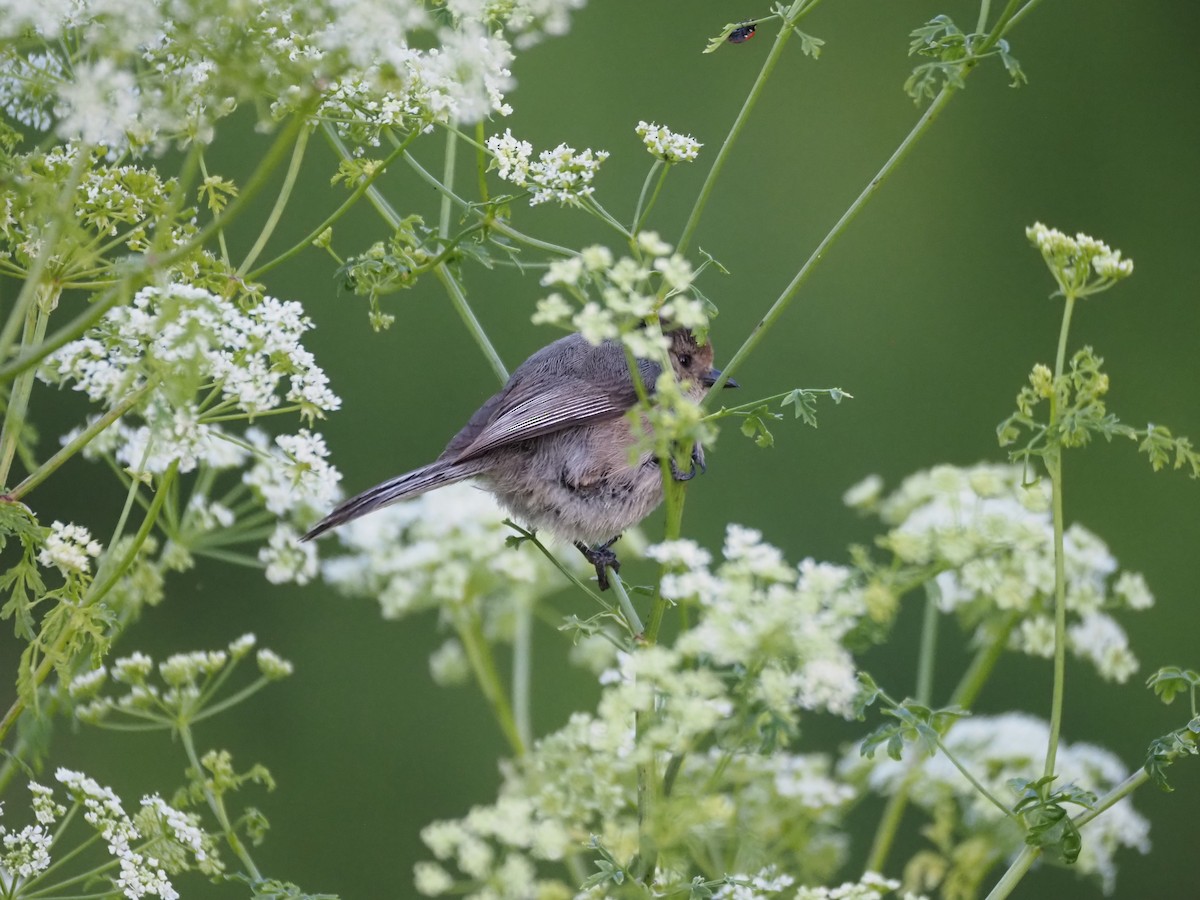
[(1081, 265), (990, 535), (665, 144)]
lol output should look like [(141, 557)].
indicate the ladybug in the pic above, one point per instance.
[(742, 33)]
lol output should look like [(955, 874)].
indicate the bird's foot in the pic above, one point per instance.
[(698, 466), (603, 558)]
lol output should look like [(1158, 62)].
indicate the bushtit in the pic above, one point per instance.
[(554, 446)]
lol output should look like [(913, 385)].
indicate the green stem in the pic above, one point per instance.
[(481, 162), (448, 181), (479, 655), (627, 609), (638, 215), (496, 225), (281, 202), (1120, 792), (647, 791), (522, 672), (463, 308), (1008, 813), (927, 656), (95, 594), (676, 494), (710, 180), (49, 243), (36, 318), (1053, 459), (781, 304), (150, 262), (50, 466), (964, 696), (337, 214), (217, 805), (1020, 866), (571, 576), (220, 234)]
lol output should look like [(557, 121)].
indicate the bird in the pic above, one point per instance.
[(555, 445)]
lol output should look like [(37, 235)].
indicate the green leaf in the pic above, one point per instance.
[(809, 45)]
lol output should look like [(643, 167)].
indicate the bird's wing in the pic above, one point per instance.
[(564, 404)]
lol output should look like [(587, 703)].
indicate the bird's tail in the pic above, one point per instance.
[(402, 487)]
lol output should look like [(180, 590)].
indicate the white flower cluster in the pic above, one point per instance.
[(142, 76), (998, 748), (188, 681), (208, 361), (443, 550), (993, 537), (69, 548), (1074, 259), (563, 174), (579, 785), (25, 853), (614, 298), (761, 614), (767, 646), (190, 337), (141, 874), (665, 144)]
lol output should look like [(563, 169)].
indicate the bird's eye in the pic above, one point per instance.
[(685, 360)]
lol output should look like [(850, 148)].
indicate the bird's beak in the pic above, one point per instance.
[(711, 378)]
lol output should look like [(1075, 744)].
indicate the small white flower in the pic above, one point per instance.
[(595, 324), (666, 145), (564, 175), (511, 157), (552, 310), (272, 665), (651, 243), (865, 494), (68, 547)]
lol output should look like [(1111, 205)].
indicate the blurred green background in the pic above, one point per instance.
[(931, 312)]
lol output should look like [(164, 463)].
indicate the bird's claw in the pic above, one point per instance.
[(603, 558), (697, 464)]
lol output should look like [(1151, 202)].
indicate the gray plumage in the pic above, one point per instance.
[(554, 445)]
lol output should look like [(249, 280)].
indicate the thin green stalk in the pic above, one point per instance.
[(927, 657), (1117, 794), (1053, 461), (463, 308), (647, 791), (481, 162), (281, 202), (220, 234), (710, 180), (1012, 877), (50, 466), (676, 494), (497, 225), (95, 593), (571, 576), (333, 217), (479, 655), (37, 317), (781, 304), (448, 181), (627, 609), (49, 243), (217, 805), (964, 696), (150, 262), (643, 209), (457, 297), (522, 673), (984, 8), (954, 761)]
